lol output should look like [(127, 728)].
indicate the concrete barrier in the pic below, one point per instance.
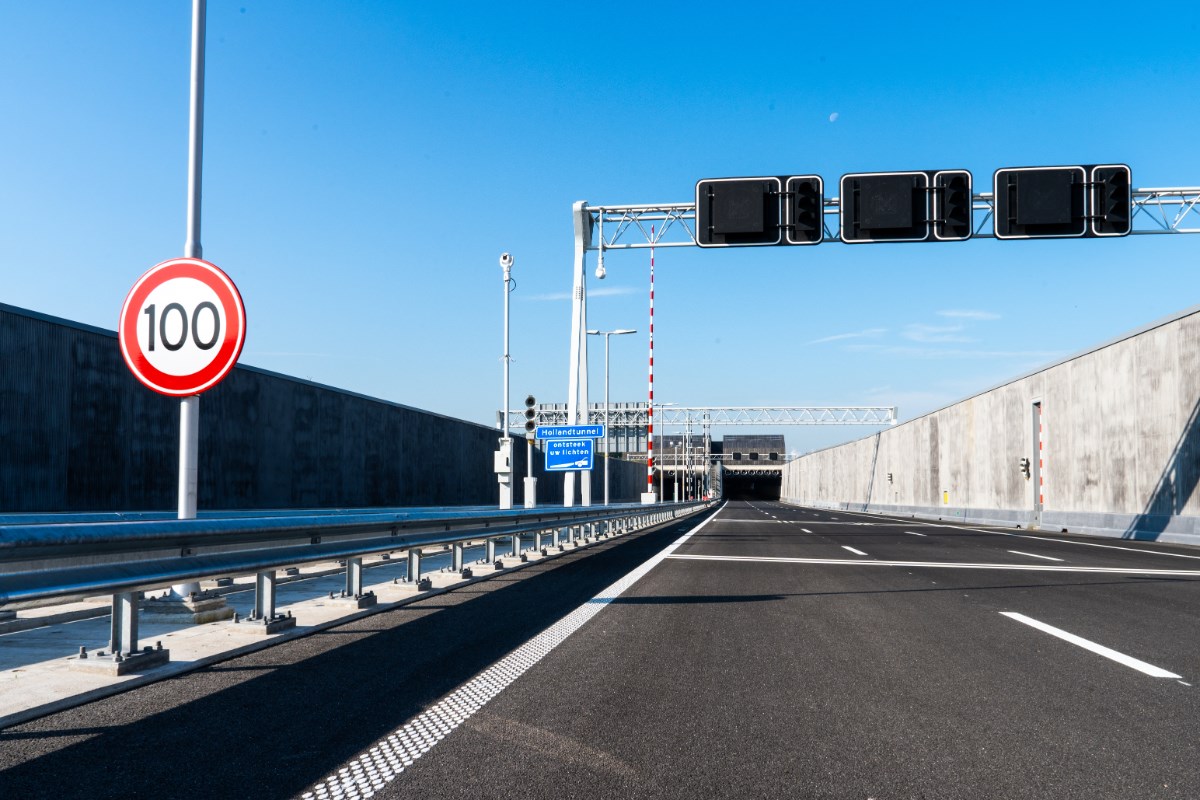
[(1112, 435), (79, 433)]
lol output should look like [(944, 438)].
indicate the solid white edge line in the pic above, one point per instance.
[(852, 550), (1035, 555), (382, 762), (1098, 649)]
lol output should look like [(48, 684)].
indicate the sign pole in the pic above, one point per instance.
[(189, 407)]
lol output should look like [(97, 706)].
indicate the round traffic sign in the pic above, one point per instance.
[(182, 327)]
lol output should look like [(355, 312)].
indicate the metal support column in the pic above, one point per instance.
[(124, 630), (354, 581), (516, 545), (456, 557), (264, 595), (577, 380), (491, 551), (414, 566)]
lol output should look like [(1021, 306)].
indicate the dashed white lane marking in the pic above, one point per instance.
[(914, 533), (385, 760), (908, 521), (1098, 649), (948, 565), (852, 550), (1035, 555), (806, 530)]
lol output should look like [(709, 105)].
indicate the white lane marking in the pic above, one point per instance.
[(1035, 555), (368, 773), (914, 533), (1028, 536), (1098, 649), (952, 565), (852, 550), (806, 530)]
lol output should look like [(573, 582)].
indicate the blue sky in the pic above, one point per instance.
[(367, 162)]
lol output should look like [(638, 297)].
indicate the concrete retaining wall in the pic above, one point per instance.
[(1121, 457), (79, 433)]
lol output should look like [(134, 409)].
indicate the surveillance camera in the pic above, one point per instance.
[(506, 260)]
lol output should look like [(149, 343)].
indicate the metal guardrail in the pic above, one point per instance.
[(54, 556)]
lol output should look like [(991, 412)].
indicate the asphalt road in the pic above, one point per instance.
[(776, 652)]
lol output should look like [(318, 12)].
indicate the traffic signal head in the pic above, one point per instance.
[(1112, 199), (952, 220), (918, 206), (733, 212), (1055, 202), (530, 414), (804, 209)]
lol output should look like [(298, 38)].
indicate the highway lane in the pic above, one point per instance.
[(715, 677), (759, 658)]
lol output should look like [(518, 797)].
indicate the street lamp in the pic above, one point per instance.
[(606, 334)]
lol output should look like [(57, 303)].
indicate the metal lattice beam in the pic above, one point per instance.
[(629, 227), (634, 417)]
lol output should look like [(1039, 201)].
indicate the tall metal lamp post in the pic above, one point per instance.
[(606, 334)]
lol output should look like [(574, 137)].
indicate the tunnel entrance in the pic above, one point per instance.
[(752, 486)]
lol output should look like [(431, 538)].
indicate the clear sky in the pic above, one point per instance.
[(367, 162)]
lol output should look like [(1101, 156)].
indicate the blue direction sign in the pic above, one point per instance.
[(570, 432), (566, 455)]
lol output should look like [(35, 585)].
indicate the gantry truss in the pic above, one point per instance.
[(629, 416), (627, 227)]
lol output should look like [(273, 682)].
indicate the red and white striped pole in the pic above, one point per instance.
[(650, 405)]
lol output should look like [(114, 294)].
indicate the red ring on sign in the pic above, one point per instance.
[(233, 337)]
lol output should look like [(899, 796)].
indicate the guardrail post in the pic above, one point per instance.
[(456, 557), (264, 595), (516, 545), (559, 535), (354, 583), (537, 541), (491, 551), (124, 637), (414, 566)]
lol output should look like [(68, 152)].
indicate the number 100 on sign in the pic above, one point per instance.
[(182, 327)]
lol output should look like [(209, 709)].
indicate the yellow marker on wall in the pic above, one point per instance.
[(945, 498)]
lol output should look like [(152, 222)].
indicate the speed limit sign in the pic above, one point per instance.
[(182, 327)]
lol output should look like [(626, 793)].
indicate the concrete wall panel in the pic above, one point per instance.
[(1122, 447), (79, 433)]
